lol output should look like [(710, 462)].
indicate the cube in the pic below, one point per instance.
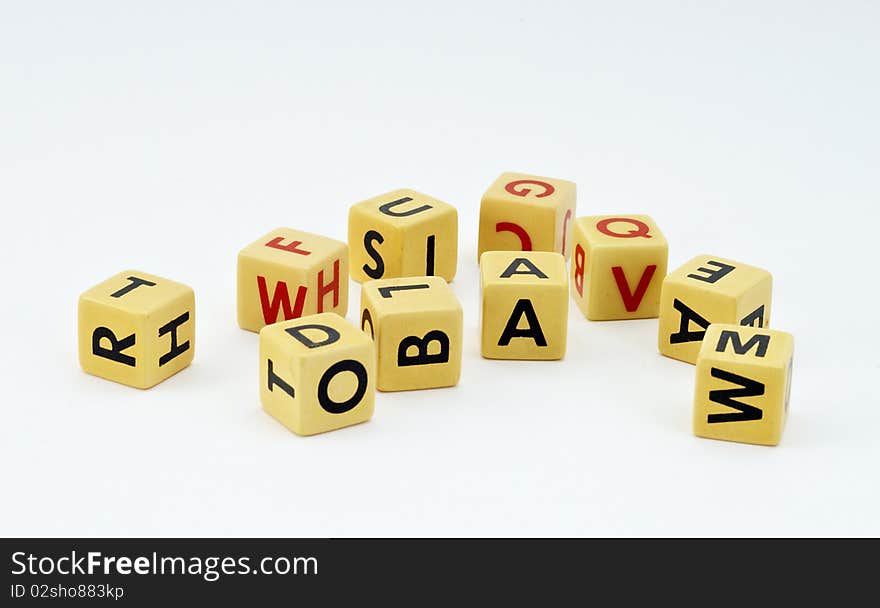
[(525, 305), (416, 325), (522, 212), (709, 289), (743, 384), (317, 373), (136, 328), (403, 233), (288, 274), (618, 266)]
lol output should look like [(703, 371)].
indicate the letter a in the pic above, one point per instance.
[(522, 308)]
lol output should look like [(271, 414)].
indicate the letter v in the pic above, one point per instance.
[(632, 300)]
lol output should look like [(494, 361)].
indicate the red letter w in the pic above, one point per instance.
[(280, 299)]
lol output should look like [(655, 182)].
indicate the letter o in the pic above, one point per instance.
[(346, 365)]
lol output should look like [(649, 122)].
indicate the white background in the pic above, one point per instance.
[(165, 136)]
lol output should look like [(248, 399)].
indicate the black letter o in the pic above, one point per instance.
[(346, 365)]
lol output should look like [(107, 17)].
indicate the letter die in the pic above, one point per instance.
[(743, 384), (416, 324), (317, 373), (525, 305), (618, 267), (403, 233), (705, 290), (527, 213), (136, 328), (288, 274)]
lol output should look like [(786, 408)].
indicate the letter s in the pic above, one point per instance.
[(15, 560)]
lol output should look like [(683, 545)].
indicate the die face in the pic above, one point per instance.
[(288, 274), (111, 343), (416, 325), (618, 266), (525, 305), (173, 337), (710, 289), (317, 373), (136, 328), (521, 212), (743, 384), (402, 233)]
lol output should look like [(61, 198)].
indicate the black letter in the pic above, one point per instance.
[(346, 365), (135, 283), (387, 208), (275, 380), (114, 353), (422, 357), (687, 315), (757, 315), (429, 256), (385, 292), (714, 275), (514, 269), (379, 270), (534, 331), (296, 332), (761, 340), (750, 388), (176, 349), (366, 317)]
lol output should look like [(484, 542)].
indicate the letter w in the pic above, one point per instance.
[(727, 397), (280, 300)]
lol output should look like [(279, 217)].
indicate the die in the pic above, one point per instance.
[(288, 274), (743, 384), (136, 328), (317, 373), (522, 212), (525, 305), (710, 289), (402, 233), (416, 324), (618, 266)]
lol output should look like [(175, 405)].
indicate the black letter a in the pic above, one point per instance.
[(533, 331), (687, 315)]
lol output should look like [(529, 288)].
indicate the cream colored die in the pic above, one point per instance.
[(618, 266), (525, 305), (402, 233), (317, 373), (416, 323), (136, 328), (743, 384), (287, 274), (709, 289), (521, 212)]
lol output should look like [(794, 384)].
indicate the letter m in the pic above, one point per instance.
[(760, 341), (728, 397)]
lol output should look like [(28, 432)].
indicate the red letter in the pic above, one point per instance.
[(565, 228), (292, 247), (333, 286), (632, 300), (280, 299), (524, 239), (642, 228), (579, 256), (511, 187)]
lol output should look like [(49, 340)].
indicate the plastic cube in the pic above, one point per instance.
[(525, 305), (136, 328), (416, 324)]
